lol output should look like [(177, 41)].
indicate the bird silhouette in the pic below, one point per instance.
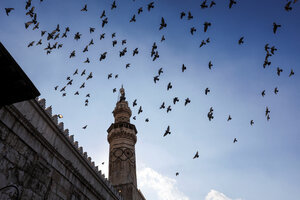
[(275, 27), (140, 10), (123, 42), (212, 3), (134, 117), (140, 110), (241, 40), (102, 36), (169, 109), (104, 21), (116, 76), (162, 106), (183, 68), (279, 71), (291, 73), (177, 173), (109, 76), (72, 54), (77, 36), (83, 73), (207, 90), (160, 71), (113, 5), (167, 131), (231, 3), (263, 93), (134, 103), (206, 25), (229, 118), (150, 6), (169, 86), (182, 14), (210, 64), (84, 8), (135, 51), (90, 76), (87, 60), (114, 42), (287, 6), (103, 14), (56, 87), (267, 111), (204, 5), (234, 140), (76, 93), (8, 10), (82, 85), (175, 99), (84, 127), (251, 122), (276, 90), (114, 90), (156, 78), (103, 56), (162, 38), (190, 16), (85, 49), (196, 155), (162, 24), (193, 29), (147, 120), (187, 101), (132, 19), (127, 65)]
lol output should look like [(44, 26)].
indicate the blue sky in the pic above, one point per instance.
[(263, 164)]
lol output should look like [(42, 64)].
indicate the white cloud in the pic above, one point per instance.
[(215, 195), (164, 187)]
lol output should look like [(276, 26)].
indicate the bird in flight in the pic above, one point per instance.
[(150, 5), (134, 103), (190, 16), (167, 131), (162, 24), (84, 127), (169, 109), (263, 93), (140, 110), (196, 155), (207, 90), (234, 140), (287, 6), (275, 26), (187, 100), (210, 65), (229, 118), (156, 78), (183, 68), (206, 25), (291, 73), (193, 29), (177, 173), (182, 14), (175, 99), (279, 71), (169, 86), (231, 3), (8, 10), (113, 5), (241, 40), (160, 71), (132, 19), (276, 90), (84, 8), (162, 106), (251, 122), (204, 5)]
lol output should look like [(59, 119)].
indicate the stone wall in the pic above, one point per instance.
[(40, 158)]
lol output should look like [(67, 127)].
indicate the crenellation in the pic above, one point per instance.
[(80, 150), (61, 126), (55, 119), (42, 103), (49, 110), (66, 132), (85, 155), (71, 139), (76, 144)]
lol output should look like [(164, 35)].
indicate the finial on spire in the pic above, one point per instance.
[(122, 92)]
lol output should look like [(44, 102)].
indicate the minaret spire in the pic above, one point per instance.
[(122, 138)]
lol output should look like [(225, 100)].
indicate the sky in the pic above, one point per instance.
[(264, 163)]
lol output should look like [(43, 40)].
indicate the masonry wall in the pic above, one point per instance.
[(40, 158)]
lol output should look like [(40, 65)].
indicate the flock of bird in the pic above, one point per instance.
[(52, 36)]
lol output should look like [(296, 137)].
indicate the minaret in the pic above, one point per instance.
[(122, 139)]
